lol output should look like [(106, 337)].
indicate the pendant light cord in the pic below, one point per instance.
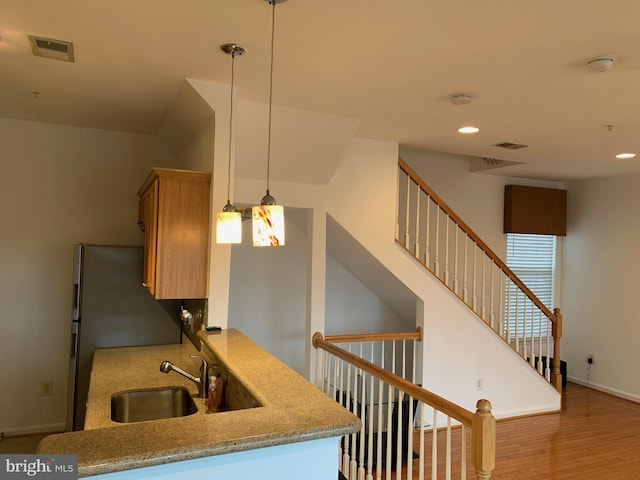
[(233, 61), (273, 29)]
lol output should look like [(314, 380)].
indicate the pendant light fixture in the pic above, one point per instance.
[(229, 221), (268, 218)]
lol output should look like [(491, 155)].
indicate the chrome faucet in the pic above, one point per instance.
[(202, 382)]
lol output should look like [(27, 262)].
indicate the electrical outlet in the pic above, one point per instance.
[(590, 359), (46, 388), (479, 383)]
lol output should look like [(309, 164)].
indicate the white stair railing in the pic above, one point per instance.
[(406, 431), (455, 254)]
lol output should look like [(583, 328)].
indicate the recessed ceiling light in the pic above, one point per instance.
[(468, 129), (625, 155)]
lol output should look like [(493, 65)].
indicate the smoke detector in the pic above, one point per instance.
[(50, 48), (460, 98), (600, 64)]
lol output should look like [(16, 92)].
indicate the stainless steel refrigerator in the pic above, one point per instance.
[(111, 308)]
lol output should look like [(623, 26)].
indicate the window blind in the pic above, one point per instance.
[(532, 258)]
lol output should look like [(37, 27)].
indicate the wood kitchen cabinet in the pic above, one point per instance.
[(174, 215)]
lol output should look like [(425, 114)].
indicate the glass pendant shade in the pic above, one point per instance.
[(268, 225), (229, 226)]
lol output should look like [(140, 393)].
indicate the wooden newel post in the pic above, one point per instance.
[(483, 439), (556, 331)]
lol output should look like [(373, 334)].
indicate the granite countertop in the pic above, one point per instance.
[(292, 410)]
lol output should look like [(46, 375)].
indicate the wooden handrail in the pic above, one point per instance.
[(375, 337), (476, 239), (482, 422), (462, 415)]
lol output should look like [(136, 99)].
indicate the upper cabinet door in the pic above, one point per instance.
[(174, 214)]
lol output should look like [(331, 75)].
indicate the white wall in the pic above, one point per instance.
[(268, 295), (268, 299), (600, 288), (58, 186), (352, 308)]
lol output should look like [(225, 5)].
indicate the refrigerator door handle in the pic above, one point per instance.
[(74, 346), (75, 330), (77, 274)]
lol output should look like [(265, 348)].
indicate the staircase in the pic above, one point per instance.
[(429, 230)]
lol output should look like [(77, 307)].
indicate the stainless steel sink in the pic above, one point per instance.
[(151, 404)]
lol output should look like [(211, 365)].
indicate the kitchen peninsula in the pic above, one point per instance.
[(291, 432)]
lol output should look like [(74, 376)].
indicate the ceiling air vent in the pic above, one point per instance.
[(50, 48), (511, 146)]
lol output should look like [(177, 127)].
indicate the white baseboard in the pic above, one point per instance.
[(603, 388), (551, 408), (33, 429)]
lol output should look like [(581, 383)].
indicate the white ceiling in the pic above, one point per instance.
[(391, 65)]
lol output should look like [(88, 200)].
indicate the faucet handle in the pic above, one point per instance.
[(205, 364)]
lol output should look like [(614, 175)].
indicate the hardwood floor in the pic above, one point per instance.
[(595, 436)]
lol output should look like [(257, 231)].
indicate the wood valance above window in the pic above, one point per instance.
[(535, 210)]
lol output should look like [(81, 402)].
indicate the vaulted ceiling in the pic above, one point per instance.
[(389, 65)]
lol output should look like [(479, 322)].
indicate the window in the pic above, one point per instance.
[(533, 259)]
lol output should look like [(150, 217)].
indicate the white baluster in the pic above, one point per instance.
[(533, 333), (409, 440), (548, 369), (399, 435), (517, 332), (421, 455), (390, 395), (434, 445), (483, 307), (370, 427), (491, 299), (363, 407), (465, 274), (400, 177), (349, 440), (406, 220), (503, 305), (446, 251), (539, 366), (427, 239), (508, 312), (319, 368), (456, 289), (463, 462), (357, 410), (416, 247), (525, 323), (379, 437), (448, 452), (473, 289), (436, 267)]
